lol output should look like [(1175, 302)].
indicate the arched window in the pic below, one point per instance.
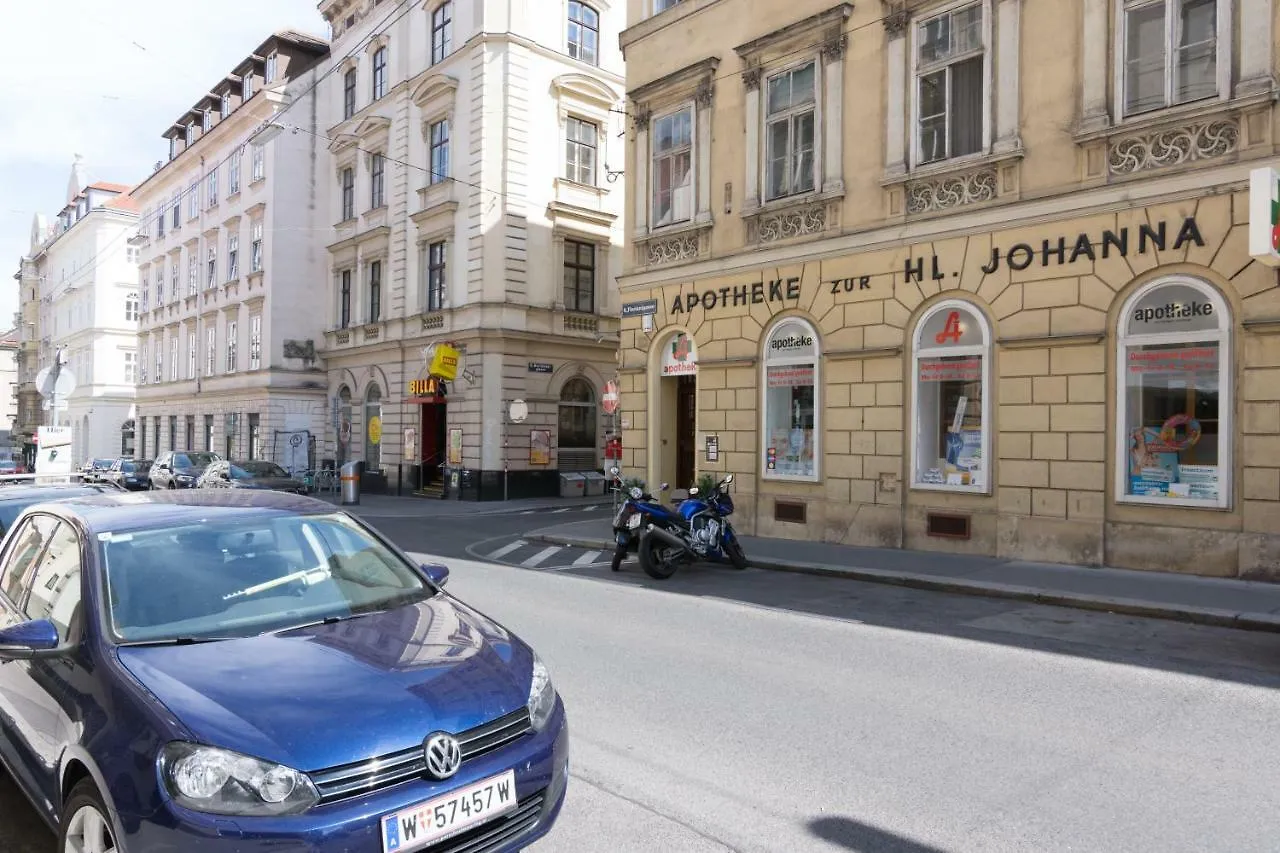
[(578, 416), (790, 416), (1174, 395), (373, 429), (951, 415), (584, 32)]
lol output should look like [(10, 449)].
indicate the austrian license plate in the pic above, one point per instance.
[(634, 521), (457, 811)]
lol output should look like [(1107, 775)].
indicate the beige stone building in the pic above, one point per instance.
[(919, 280)]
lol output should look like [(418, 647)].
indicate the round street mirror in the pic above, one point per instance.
[(519, 411)]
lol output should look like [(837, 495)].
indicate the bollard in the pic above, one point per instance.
[(350, 482)]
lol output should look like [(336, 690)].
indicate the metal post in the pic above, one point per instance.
[(505, 468)]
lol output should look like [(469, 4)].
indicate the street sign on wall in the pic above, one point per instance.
[(610, 399)]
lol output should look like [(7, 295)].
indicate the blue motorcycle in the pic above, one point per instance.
[(638, 508), (703, 534)]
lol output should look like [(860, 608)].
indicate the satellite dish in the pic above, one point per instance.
[(519, 411)]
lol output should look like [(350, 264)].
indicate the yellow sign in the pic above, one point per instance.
[(444, 362), (424, 387), (375, 429)]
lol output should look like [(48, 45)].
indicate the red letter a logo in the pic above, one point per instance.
[(951, 329)]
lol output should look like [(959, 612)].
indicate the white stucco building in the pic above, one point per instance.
[(79, 292), (470, 202), (231, 267)]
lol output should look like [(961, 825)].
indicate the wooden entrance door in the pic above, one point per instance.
[(686, 421), (432, 438)]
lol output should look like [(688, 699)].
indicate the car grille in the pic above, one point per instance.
[(362, 777), (493, 835)]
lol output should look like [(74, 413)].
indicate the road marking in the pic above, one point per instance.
[(591, 508), (529, 512), (507, 549), (558, 511), (587, 558), (538, 558)]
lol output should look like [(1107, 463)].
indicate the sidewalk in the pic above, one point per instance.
[(411, 506), (1248, 605)]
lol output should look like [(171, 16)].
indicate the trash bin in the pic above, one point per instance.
[(572, 485), (594, 485), (349, 477)]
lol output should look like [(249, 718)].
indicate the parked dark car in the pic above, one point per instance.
[(180, 469), (17, 496), (213, 671), (131, 474), (11, 466), (96, 469), (250, 474)]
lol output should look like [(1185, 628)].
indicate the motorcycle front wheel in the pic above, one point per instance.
[(657, 559), (619, 554), (733, 550)]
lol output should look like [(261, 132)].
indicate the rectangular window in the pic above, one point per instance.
[(790, 414), (159, 374), (175, 276), (191, 355), (439, 151), (130, 367), (950, 98), (143, 366), (206, 120), (673, 168), (159, 222), (246, 86), (349, 94), (212, 262), (191, 433), (173, 147), (1170, 53), (173, 432), (441, 32), (259, 165), (579, 276), (131, 308), (208, 433), (348, 194), (177, 209), (233, 173), (232, 340), (580, 151), (159, 278), (663, 5), (255, 436), (584, 32), (344, 301), (193, 200), (255, 342), (270, 74), (225, 105), (233, 257), (191, 133), (379, 73), (142, 436), (790, 114), (193, 274), (951, 428), (211, 349), (435, 276), (377, 168), (173, 359), (255, 247), (375, 291), (146, 292)]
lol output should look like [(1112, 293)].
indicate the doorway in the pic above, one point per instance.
[(686, 423), (433, 437)]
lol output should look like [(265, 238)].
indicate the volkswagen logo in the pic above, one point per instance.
[(443, 755)]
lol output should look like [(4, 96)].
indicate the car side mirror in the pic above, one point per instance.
[(436, 573), (28, 640)]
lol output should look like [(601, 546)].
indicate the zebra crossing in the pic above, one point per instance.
[(567, 509), (544, 557)]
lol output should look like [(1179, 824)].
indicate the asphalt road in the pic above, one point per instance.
[(763, 711)]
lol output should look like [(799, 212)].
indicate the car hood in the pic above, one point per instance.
[(269, 483), (326, 695)]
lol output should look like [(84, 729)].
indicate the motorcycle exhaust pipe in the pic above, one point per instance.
[(668, 538)]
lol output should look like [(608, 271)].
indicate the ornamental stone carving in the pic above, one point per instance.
[(705, 93), (669, 250), (950, 191), (833, 48), (751, 78), (785, 224), (1160, 149)]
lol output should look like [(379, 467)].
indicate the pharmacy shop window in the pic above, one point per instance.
[(1174, 396), (790, 415), (951, 411)]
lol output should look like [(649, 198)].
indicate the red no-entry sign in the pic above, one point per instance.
[(610, 398)]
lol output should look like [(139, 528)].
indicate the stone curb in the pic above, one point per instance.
[(1212, 616)]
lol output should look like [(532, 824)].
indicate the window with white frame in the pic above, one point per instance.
[(173, 147), (131, 308), (233, 173), (210, 349), (232, 340), (233, 256), (225, 105), (158, 273), (1170, 53), (159, 374), (259, 162), (379, 73), (191, 133), (790, 415), (173, 359), (142, 373), (255, 342), (435, 269), (439, 151), (211, 190), (791, 102), (344, 299), (951, 69), (131, 367), (193, 200), (441, 32), (255, 247), (159, 223), (349, 94), (1175, 395), (211, 260), (348, 194), (174, 278), (145, 290), (377, 171), (672, 148), (177, 209), (951, 413), (191, 354), (193, 273), (246, 86), (580, 150), (663, 5), (206, 120), (584, 32), (269, 75), (375, 291)]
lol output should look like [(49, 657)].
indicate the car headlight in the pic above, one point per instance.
[(542, 695), (218, 781)]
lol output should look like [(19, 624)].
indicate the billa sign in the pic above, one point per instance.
[(1264, 216), (444, 362), (430, 387)]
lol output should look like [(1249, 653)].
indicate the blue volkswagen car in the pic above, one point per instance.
[(194, 671)]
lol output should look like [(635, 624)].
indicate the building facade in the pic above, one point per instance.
[(78, 296), (918, 282), (472, 206), (9, 449), (230, 270)]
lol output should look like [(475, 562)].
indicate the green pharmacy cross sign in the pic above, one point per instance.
[(1264, 216)]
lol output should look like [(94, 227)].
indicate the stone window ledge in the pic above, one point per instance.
[(687, 241), (952, 184), (794, 216)]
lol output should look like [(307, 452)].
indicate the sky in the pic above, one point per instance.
[(103, 80)]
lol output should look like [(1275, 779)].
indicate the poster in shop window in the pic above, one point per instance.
[(540, 447)]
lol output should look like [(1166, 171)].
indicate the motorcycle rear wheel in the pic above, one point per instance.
[(657, 559), (733, 550)]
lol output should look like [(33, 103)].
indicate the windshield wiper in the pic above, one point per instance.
[(177, 641)]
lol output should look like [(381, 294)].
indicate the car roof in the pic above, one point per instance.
[(122, 511), (53, 491)]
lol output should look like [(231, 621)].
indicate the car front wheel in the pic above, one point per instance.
[(86, 824)]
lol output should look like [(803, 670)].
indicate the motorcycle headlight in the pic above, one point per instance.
[(637, 493), (218, 781), (542, 696)]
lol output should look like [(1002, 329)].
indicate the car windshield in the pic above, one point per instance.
[(137, 467), (249, 470), (102, 464), (247, 576), (193, 460)]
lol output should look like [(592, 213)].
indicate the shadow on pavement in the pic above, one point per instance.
[(21, 831), (865, 838), (1246, 657)]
